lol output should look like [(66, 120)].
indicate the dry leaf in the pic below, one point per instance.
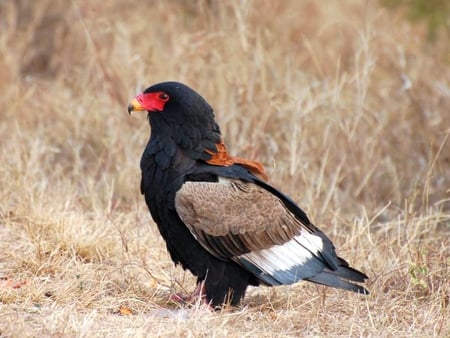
[(125, 311), (9, 282)]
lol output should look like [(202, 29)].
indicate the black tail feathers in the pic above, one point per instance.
[(340, 278)]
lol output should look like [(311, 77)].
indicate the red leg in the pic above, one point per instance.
[(198, 294)]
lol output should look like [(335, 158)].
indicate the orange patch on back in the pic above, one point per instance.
[(222, 158)]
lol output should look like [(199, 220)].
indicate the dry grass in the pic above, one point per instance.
[(345, 103)]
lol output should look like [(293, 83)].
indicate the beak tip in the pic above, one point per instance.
[(130, 108), (135, 105)]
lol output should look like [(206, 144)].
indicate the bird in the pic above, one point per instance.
[(218, 215)]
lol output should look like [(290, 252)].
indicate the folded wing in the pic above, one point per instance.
[(246, 223)]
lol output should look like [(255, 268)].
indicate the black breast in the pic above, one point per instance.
[(164, 169)]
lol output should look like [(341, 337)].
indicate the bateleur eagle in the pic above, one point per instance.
[(219, 217)]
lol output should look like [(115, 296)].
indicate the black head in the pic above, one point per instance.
[(173, 101), (178, 112)]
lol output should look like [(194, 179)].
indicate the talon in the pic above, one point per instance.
[(199, 294), (178, 298)]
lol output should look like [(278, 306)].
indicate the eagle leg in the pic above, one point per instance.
[(198, 294)]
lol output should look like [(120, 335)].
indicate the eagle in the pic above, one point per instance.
[(218, 215)]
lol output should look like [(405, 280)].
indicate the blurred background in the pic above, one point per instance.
[(353, 93)]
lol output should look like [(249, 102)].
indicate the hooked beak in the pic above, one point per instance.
[(134, 105)]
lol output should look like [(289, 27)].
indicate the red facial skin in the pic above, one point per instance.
[(153, 101)]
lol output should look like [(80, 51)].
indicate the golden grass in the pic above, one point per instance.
[(345, 103)]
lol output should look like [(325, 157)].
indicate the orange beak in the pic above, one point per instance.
[(134, 105)]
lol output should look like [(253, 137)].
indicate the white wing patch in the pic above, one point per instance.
[(290, 262)]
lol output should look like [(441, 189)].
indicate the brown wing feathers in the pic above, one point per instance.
[(236, 208), (243, 222)]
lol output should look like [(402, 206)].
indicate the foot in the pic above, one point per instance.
[(198, 295)]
